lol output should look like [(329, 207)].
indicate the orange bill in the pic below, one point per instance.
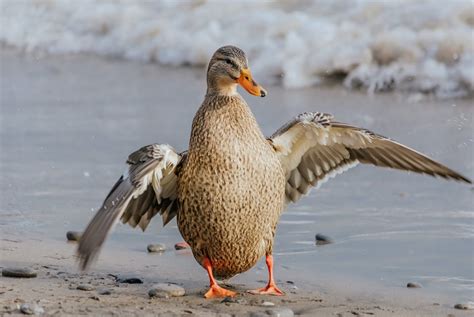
[(245, 80)]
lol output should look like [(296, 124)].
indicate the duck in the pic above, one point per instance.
[(229, 189)]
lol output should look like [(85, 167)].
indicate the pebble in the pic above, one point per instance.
[(234, 300), (280, 312), (267, 304), (129, 280), (19, 272), (467, 306), (34, 309), (158, 294), (321, 239), (104, 292), (181, 246), (152, 248), (167, 288), (85, 287), (73, 235), (413, 285)]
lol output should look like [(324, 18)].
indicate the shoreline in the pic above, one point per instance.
[(55, 288)]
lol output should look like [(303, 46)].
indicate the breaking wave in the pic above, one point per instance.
[(422, 46)]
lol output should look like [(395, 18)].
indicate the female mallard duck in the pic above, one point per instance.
[(229, 189)]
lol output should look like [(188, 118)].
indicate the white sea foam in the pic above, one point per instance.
[(416, 45)]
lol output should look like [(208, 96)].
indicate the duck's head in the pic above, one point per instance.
[(227, 69)]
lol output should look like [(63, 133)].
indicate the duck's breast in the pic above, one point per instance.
[(231, 192)]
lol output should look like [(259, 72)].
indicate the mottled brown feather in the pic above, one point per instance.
[(312, 147), (135, 198)]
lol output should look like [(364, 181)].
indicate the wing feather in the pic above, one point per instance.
[(313, 148), (147, 188)]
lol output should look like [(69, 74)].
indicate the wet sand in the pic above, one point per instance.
[(68, 123)]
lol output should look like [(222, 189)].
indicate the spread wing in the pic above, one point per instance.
[(313, 148), (147, 188)]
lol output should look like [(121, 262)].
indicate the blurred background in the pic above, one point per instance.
[(421, 46), (85, 83)]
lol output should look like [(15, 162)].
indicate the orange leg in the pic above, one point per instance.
[(271, 288), (215, 290)]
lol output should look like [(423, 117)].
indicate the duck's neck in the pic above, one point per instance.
[(222, 121), (220, 87)]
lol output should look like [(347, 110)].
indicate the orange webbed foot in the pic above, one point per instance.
[(268, 290), (218, 292)]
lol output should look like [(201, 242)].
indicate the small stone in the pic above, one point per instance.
[(280, 312), (321, 239), (129, 280), (158, 294), (33, 309), (153, 248), (462, 306), (85, 287), (228, 300), (95, 298), (413, 285), (19, 272), (234, 300), (168, 288), (104, 292), (267, 304), (181, 246), (73, 235)]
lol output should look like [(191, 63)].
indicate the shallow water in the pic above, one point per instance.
[(68, 123)]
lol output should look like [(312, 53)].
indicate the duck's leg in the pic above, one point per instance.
[(271, 288), (215, 290)]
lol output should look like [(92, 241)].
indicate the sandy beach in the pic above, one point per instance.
[(69, 121)]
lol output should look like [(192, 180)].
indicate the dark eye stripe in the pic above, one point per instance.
[(229, 61)]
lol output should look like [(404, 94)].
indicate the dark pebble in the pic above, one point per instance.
[(413, 285), (234, 300), (152, 248), (95, 298), (85, 287), (129, 280), (463, 306), (73, 235), (19, 272), (181, 246), (105, 292), (321, 239)]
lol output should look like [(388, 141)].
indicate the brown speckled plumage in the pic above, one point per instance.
[(229, 189)]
